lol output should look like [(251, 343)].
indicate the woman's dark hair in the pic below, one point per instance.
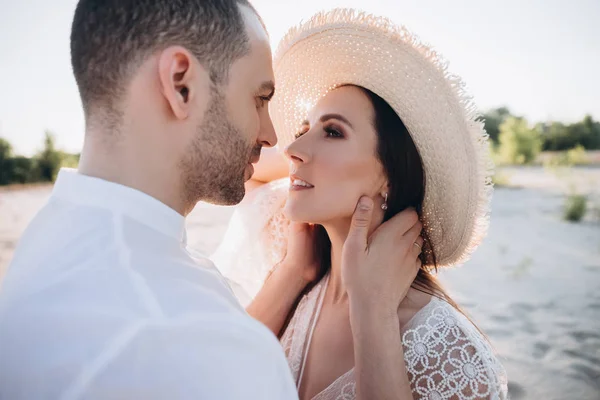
[(406, 178)]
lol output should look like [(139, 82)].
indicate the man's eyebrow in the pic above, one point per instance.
[(270, 86)]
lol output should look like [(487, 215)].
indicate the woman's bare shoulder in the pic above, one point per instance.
[(414, 302)]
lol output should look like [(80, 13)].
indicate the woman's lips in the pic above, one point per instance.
[(297, 183)]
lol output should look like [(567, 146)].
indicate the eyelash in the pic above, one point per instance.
[(262, 100), (334, 133), (331, 133)]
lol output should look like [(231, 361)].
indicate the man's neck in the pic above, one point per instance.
[(132, 169)]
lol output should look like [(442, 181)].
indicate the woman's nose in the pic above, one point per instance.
[(298, 151)]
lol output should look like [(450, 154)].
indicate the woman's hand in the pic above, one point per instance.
[(378, 271), (300, 256)]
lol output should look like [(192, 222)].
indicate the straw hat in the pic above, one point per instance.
[(345, 46)]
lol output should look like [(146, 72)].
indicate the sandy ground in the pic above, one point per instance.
[(533, 286)]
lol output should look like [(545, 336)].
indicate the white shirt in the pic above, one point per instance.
[(102, 301)]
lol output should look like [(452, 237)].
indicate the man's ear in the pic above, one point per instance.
[(178, 75)]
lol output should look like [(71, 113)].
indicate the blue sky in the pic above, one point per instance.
[(540, 58)]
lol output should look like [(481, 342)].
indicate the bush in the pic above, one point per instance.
[(559, 137), (43, 167), (5, 155), (569, 158), (49, 160), (577, 156), (69, 160), (501, 179), (492, 120), (20, 169), (519, 144), (575, 207)]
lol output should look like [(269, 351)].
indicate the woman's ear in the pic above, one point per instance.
[(385, 189)]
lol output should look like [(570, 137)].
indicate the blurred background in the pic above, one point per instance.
[(532, 67)]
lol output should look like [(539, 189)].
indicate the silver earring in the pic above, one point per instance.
[(384, 206)]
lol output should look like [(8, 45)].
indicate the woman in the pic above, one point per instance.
[(363, 108)]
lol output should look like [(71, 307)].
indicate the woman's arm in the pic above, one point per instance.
[(276, 298), (380, 370), (272, 166), (378, 271)]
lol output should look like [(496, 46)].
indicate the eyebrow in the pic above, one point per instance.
[(270, 86), (331, 116)]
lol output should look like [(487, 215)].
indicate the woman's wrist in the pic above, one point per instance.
[(292, 274), (372, 314)]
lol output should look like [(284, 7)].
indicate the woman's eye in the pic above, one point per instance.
[(334, 133)]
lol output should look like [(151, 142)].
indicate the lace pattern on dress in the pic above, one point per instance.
[(446, 357)]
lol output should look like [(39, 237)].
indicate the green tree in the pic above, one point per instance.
[(559, 137), (22, 170), (5, 154), (5, 149), (519, 144), (70, 160), (587, 133), (555, 136), (49, 159), (493, 119)]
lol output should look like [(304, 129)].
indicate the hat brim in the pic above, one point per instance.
[(344, 47)]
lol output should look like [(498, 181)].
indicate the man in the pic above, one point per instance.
[(101, 300)]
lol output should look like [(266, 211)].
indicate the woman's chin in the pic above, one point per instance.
[(299, 214)]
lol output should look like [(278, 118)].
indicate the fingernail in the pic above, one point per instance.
[(365, 204)]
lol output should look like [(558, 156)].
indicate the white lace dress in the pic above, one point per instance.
[(446, 356)]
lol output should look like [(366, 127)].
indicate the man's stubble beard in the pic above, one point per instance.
[(213, 169)]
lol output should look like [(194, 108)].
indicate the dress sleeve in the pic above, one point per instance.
[(255, 240), (448, 358)]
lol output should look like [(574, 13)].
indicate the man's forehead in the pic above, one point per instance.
[(254, 26)]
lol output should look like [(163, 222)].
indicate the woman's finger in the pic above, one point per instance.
[(414, 232), (399, 224), (417, 246), (418, 266)]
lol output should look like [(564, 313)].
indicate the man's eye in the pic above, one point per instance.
[(262, 101), (299, 133)]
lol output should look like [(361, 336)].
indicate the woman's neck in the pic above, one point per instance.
[(336, 292), (337, 232)]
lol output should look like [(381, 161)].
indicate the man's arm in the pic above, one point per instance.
[(230, 357)]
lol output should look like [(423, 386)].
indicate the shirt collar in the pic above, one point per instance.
[(89, 191)]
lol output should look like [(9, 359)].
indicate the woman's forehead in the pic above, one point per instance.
[(349, 101)]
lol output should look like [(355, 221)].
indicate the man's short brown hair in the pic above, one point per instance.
[(111, 38)]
